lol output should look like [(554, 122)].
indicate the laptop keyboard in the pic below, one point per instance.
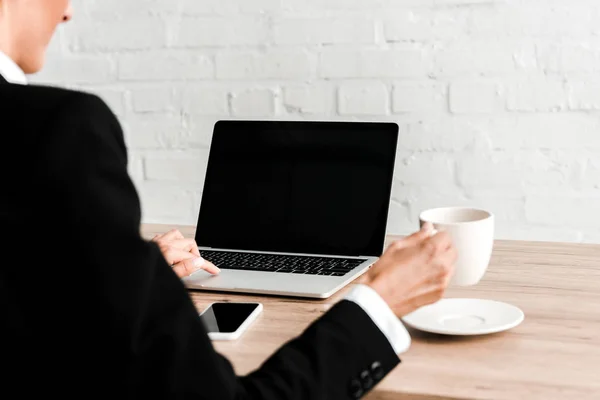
[(281, 263)]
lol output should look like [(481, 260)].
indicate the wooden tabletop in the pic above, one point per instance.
[(553, 354)]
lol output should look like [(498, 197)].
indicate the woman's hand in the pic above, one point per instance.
[(415, 271), (182, 254)]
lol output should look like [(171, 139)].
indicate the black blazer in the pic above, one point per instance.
[(91, 309)]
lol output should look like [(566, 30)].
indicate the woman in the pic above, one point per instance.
[(90, 308)]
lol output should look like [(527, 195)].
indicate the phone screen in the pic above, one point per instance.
[(227, 317)]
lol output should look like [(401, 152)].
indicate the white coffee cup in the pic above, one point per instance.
[(472, 233)]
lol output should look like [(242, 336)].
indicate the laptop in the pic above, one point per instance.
[(294, 208)]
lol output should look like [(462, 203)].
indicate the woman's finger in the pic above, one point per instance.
[(174, 255), (211, 268), (416, 238), (189, 245), (189, 266), (173, 234)]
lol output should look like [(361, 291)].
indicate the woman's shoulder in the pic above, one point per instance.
[(37, 99)]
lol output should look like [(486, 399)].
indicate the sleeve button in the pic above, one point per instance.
[(377, 371), (367, 380), (355, 390)]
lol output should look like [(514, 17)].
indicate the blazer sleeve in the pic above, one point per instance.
[(151, 333)]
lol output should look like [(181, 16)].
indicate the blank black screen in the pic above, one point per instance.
[(226, 317), (300, 187)]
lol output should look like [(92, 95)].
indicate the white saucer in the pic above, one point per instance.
[(465, 317)]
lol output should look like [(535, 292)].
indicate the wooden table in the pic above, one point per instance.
[(553, 354)]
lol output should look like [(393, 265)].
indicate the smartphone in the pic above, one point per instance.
[(227, 321)]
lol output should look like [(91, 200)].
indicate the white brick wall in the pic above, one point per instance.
[(498, 101)]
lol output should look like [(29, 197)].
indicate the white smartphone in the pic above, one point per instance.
[(227, 321)]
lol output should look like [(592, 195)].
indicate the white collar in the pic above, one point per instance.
[(11, 71)]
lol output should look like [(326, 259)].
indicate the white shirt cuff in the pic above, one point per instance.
[(382, 315)]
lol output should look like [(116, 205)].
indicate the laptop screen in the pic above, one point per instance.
[(298, 187)]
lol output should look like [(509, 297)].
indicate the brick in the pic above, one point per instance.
[(425, 168), (535, 94), (488, 132), (204, 100), (557, 22), (565, 211), (79, 69), (445, 133), (311, 31), (513, 172), (475, 97), (279, 64), (556, 131), (177, 166), (194, 7), (156, 132), (426, 24), (484, 171), (117, 35), (326, 5), (109, 10), (253, 102), (403, 63), (167, 203), (419, 97), (408, 25), (584, 95), (220, 32), (569, 58), (164, 66), (529, 131), (464, 2), (481, 58), (153, 99), (309, 99), (591, 172), (363, 98)]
